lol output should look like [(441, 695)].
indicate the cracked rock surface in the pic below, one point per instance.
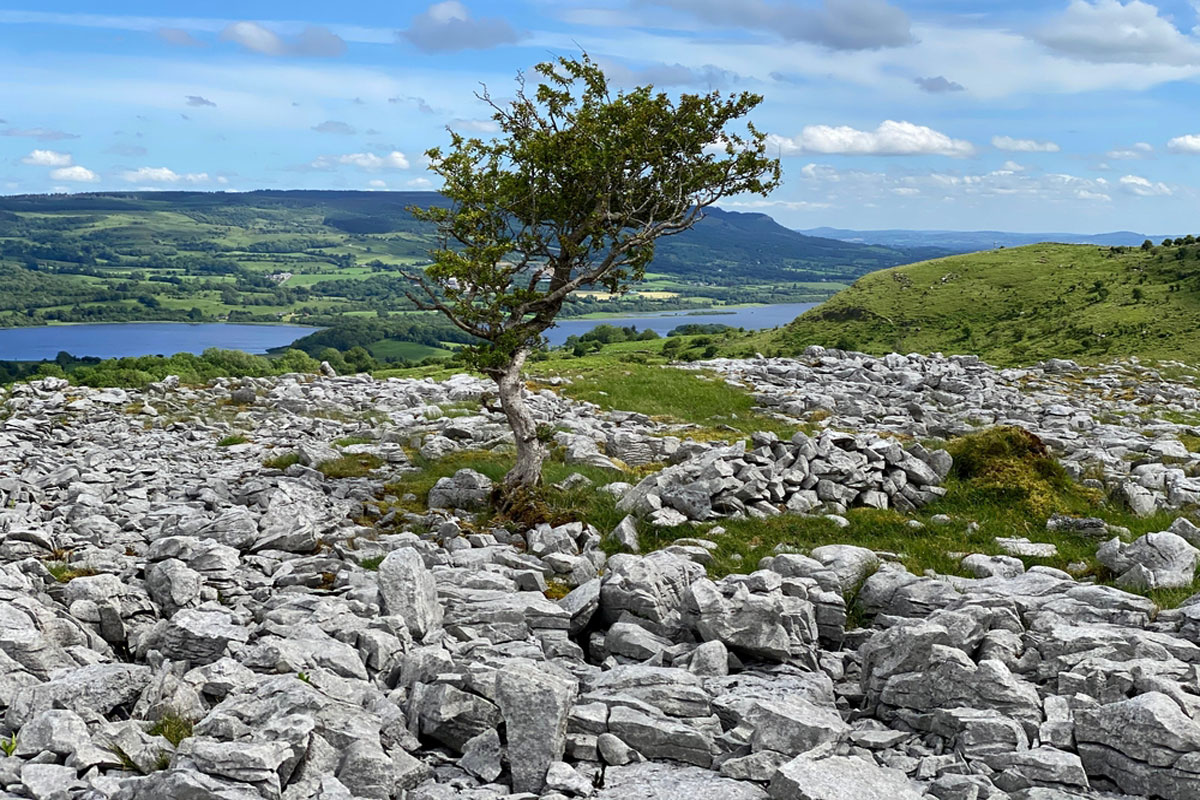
[(178, 620)]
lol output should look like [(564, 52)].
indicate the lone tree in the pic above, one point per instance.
[(572, 195)]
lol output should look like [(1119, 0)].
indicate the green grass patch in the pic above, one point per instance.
[(357, 465), (282, 462), (231, 440), (668, 394), (372, 564), (350, 441), (65, 573)]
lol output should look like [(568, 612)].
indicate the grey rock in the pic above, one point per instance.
[(98, 688), (481, 756), (667, 781), (1154, 561), (409, 591), (535, 703), (793, 726), (839, 778), (1145, 745)]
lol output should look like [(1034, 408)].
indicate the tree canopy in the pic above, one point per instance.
[(573, 194)]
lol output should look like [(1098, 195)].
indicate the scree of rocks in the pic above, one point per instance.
[(180, 621)]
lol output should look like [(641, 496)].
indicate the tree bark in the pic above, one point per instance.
[(531, 452)]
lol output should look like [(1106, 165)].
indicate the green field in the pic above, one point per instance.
[(1018, 306)]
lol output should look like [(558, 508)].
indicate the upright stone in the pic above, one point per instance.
[(409, 591), (535, 704)]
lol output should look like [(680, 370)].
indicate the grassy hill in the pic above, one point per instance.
[(305, 255), (1019, 306)]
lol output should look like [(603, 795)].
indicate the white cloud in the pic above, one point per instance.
[(1023, 145), (1137, 151), (790, 205), (75, 174), (1142, 187), (853, 189), (312, 41), (1185, 144), (377, 184), (1013, 166), (419, 183), (368, 161), (474, 125), (1109, 31), (163, 175), (891, 138), (47, 158)]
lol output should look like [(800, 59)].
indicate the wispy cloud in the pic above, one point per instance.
[(938, 85), (449, 26), (836, 24), (314, 40), (41, 134), (163, 175), (336, 127), (1012, 145), (197, 100)]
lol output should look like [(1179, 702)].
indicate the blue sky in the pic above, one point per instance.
[(1064, 115)]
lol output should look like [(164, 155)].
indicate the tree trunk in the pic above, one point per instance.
[(531, 452)]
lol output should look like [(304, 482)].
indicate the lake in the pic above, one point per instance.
[(750, 318), (118, 339)]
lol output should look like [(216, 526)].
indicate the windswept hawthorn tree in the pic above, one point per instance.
[(572, 195)]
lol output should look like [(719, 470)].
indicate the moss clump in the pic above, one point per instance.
[(556, 590), (351, 466), (1013, 465)]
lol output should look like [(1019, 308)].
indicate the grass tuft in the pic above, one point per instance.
[(65, 573), (173, 728), (231, 440), (282, 462)]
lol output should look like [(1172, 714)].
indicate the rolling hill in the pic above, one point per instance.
[(1019, 306), (306, 255)]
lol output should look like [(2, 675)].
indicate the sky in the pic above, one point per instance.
[(1054, 115)]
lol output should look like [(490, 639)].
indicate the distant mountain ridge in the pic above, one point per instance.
[(726, 247), (974, 241)]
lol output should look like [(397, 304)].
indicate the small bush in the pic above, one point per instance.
[(372, 564)]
